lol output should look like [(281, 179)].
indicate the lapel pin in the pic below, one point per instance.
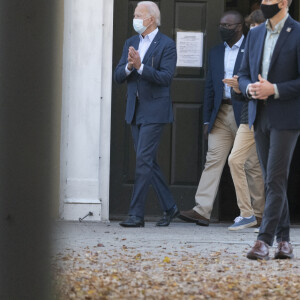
[(289, 29), (242, 50)]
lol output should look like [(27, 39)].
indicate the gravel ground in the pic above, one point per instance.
[(182, 261)]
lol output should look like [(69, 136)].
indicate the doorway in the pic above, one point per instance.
[(227, 207), (182, 150)]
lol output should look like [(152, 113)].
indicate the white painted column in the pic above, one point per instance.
[(87, 69), (105, 117)]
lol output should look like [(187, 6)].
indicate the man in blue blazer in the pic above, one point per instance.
[(221, 114), (270, 78), (148, 64)]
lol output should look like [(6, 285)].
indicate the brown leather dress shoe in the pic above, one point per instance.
[(193, 217), (260, 250), (258, 220), (284, 250)]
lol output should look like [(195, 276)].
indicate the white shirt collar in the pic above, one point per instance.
[(237, 44), (150, 36)]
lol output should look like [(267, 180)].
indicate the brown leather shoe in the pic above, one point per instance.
[(260, 250), (202, 221), (284, 250), (193, 217), (258, 220)]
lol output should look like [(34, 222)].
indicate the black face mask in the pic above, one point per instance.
[(227, 34), (269, 11)]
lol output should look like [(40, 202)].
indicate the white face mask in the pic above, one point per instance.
[(138, 25)]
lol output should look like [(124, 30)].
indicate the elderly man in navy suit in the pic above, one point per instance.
[(148, 64), (270, 78), (221, 114)]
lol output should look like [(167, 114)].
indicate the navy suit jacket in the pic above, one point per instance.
[(153, 86), (214, 86), (283, 113)]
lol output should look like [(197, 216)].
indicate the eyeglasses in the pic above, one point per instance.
[(226, 25)]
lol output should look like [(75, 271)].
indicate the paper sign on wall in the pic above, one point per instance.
[(189, 49)]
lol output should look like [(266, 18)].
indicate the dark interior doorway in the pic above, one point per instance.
[(183, 150), (246, 7), (228, 209)]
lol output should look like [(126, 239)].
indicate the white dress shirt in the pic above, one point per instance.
[(229, 63), (144, 45)]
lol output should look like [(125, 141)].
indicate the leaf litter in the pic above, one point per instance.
[(126, 273)]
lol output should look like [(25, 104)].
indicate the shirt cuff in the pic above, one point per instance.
[(128, 72), (276, 95), (140, 70), (247, 93)]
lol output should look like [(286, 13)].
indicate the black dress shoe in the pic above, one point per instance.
[(168, 216), (133, 221)]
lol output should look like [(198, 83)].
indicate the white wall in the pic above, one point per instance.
[(87, 75)]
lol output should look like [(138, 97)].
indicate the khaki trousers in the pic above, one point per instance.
[(246, 173), (220, 142)]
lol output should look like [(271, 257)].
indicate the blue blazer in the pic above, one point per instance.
[(283, 113), (214, 87), (153, 86)]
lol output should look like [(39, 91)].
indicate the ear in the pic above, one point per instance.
[(283, 3), (241, 27)]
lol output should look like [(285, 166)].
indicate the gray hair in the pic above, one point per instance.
[(153, 10)]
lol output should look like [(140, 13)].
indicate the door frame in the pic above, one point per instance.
[(119, 91), (86, 109)]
